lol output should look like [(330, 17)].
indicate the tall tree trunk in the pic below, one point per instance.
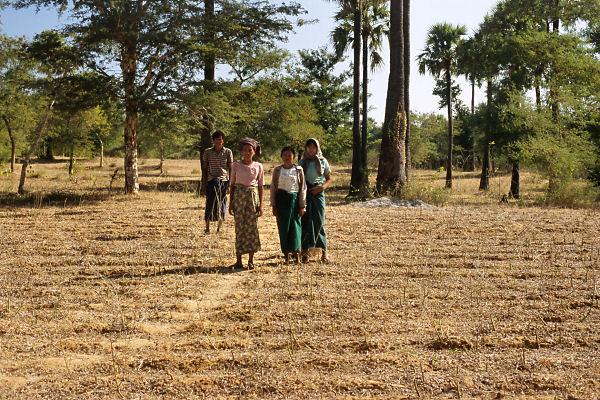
[(355, 177), (450, 130), (515, 181), (13, 143), (49, 150), (71, 160), (406, 42), (209, 78), (129, 68), (209, 59), (538, 92), (205, 142), (473, 155), (101, 153), (472, 95), (391, 174), (364, 168), (161, 147), (132, 185), (38, 134), (552, 92), (484, 183)]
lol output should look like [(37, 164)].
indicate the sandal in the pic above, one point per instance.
[(237, 266), (305, 258)]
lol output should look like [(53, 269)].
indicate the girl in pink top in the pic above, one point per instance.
[(246, 199)]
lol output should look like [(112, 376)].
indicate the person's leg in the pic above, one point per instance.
[(238, 263), (211, 198), (223, 187), (295, 234), (251, 260), (309, 220), (319, 221), (287, 257)]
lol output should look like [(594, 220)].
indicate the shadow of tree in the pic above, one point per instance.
[(184, 186), (187, 270), (52, 199)]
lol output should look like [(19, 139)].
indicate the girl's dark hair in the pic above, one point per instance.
[(288, 148), (310, 141), (218, 134)]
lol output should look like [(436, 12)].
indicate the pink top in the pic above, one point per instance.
[(247, 175)]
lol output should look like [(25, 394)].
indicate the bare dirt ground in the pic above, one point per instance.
[(103, 296)]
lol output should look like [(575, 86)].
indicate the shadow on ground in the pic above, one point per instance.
[(184, 186), (188, 270), (52, 199)]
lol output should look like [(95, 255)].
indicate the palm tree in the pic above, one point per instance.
[(349, 16), (439, 57), (406, 39), (469, 65), (374, 28), (391, 174)]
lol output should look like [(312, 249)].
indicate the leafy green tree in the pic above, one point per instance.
[(526, 49), (54, 61), (468, 65), (331, 97), (428, 134), (77, 133), (464, 139), (254, 60), (163, 132), (159, 46), (560, 156), (16, 70), (440, 58), (485, 44), (273, 109)]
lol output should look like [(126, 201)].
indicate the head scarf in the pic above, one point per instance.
[(317, 157), (255, 145)]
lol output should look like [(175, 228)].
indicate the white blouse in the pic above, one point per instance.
[(288, 179)]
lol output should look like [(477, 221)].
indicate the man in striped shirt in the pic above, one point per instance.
[(216, 165)]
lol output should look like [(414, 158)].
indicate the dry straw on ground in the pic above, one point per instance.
[(106, 296)]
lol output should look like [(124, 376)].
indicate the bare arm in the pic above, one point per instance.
[(273, 190), (204, 170), (231, 190), (328, 181), (260, 199), (325, 185)]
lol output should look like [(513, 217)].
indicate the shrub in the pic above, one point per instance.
[(437, 196), (559, 158), (573, 195)]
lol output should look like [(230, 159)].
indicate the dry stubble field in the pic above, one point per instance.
[(105, 296)]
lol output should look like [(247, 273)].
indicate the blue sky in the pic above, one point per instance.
[(424, 13)]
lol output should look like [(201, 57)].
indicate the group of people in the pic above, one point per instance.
[(296, 193)]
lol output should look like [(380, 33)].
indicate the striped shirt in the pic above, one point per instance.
[(217, 164)]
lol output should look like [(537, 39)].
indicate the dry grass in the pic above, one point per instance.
[(105, 296)]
